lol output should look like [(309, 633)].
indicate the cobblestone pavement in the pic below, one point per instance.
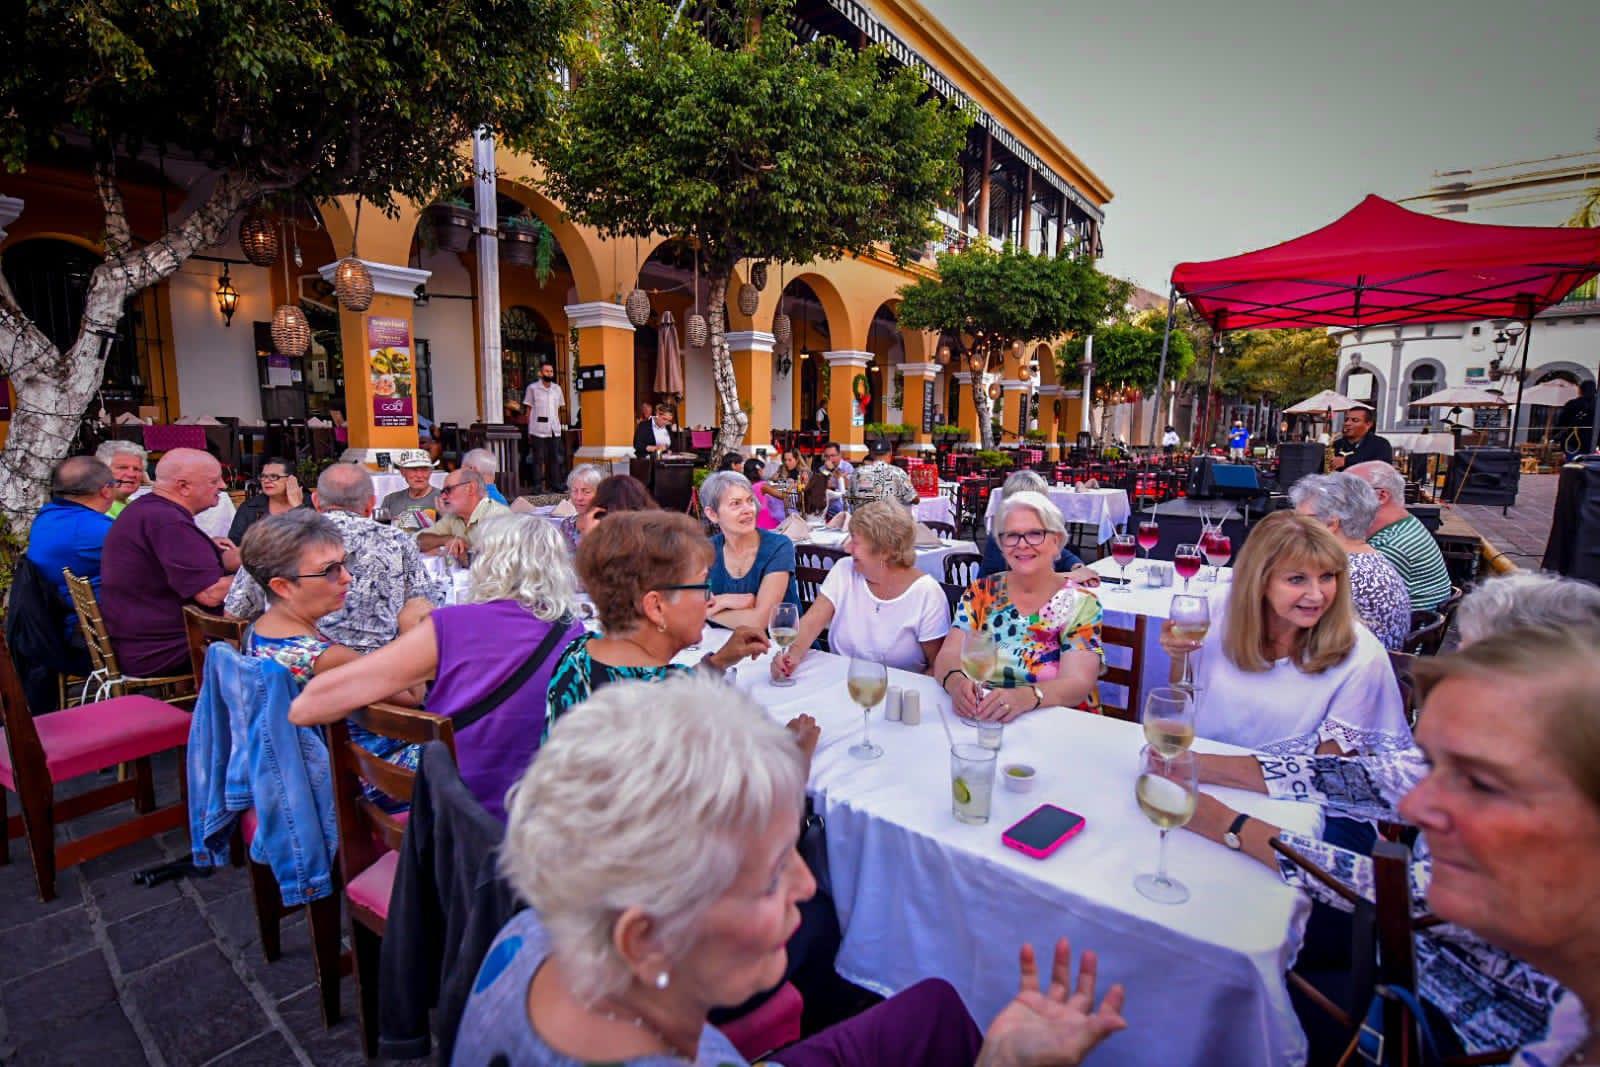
[(1522, 532), (112, 973)]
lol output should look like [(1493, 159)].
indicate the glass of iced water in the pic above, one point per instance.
[(972, 770)]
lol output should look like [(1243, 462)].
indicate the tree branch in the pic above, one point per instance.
[(118, 238)]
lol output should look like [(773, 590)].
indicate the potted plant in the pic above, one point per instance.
[(449, 224), (993, 460), (1035, 437), (874, 431), (525, 241), (945, 434)]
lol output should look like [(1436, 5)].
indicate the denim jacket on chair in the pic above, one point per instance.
[(244, 753)]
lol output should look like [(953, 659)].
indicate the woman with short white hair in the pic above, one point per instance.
[(654, 840), (754, 568), (1526, 598), (581, 484), (516, 623), (129, 463), (1346, 505), (487, 465), (1046, 625)]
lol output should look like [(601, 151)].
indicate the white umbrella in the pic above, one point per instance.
[(1461, 396), (1551, 394), (1324, 402)]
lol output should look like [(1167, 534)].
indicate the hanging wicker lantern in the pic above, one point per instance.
[(1025, 373), (291, 333), (782, 330), (943, 356), (975, 363), (352, 284), (638, 306), (758, 275), (749, 299), (258, 238), (994, 390), (695, 330)]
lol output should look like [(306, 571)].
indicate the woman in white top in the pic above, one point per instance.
[(876, 605), (1287, 669)]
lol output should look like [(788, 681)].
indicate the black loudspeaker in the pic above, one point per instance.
[(1232, 481), (1483, 476), (1574, 546), (1296, 459), (1201, 485)]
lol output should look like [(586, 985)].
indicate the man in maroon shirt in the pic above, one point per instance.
[(156, 560)]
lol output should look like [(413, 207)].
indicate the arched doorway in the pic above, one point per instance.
[(668, 279), (809, 324), (50, 279), (526, 343), (888, 351)]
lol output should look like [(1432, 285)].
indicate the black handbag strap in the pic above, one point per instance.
[(518, 678)]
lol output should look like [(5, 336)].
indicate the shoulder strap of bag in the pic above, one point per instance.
[(519, 677)]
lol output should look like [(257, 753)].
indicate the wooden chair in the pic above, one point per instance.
[(1427, 633), (322, 916), (953, 593), (1084, 540), (972, 503), (943, 529), (1131, 676), (812, 563), (1404, 665), (961, 568), (106, 676), (71, 743), (370, 838)]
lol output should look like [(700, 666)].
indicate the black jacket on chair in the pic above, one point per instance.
[(36, 632)]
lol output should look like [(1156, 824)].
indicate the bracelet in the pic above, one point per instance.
[(944, 683)]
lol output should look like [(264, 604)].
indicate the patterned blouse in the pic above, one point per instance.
[(1381, 598), (578, 674), (1031, 647), (1493, 1000)]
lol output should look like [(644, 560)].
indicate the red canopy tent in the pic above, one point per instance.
[(1380, 264)]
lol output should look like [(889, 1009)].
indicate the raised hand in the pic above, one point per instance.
[(1052, 1027)]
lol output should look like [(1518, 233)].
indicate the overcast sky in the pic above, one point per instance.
[(1225, 126)]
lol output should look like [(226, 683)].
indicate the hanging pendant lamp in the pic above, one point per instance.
[(352, 281), (291, 333), (258, 238), (695, 330)]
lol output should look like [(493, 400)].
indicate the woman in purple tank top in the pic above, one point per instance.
[(516, 624)]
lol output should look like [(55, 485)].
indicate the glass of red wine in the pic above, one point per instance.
[(1186, 563), (1124, 549), (1218, 551), (1149, 536)]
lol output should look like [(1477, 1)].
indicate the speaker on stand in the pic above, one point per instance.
[(1296, 459), (1484, 476)]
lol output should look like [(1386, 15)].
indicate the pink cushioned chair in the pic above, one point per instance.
[(36, 754)]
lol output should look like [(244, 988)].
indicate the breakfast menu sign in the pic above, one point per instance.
[(389, 364)]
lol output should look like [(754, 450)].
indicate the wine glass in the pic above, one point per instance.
[(979, 657), (783, 627), (380, 515), (1124, 548), (1149, 535), (868, 680), (1169, 720), (1167, 791), (1191, 619), (1218, 551), (1186, 563)]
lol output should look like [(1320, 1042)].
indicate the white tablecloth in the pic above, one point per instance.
[(1124, 604), (929, 560), (936, 509), (922, 895), (456, 578), (1442, 444), (384, 484), (1105, 509)]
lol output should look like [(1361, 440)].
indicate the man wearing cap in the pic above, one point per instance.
[(878, 479), (1238, 442), (544, 402), (419, 500), (463, 503)]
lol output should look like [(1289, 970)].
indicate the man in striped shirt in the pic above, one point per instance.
[(1400, 536)]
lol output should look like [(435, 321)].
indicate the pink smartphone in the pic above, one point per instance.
[(1043, 830)]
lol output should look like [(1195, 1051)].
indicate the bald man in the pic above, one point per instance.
[(156, 561)]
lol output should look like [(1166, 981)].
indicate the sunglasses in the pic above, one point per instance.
[(329, 573)]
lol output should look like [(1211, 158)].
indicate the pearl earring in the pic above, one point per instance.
[(662, 980)]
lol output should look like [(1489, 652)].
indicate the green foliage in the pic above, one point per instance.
[(1125, 354), (371, 96), (946, 428), (544, 245), (747, 140), (993, 459), (1284, 366), (1011, 296), (1034, 435)]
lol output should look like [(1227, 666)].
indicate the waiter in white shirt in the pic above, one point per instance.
[(544, 402)]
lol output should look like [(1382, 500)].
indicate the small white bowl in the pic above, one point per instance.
[(1019, 777)]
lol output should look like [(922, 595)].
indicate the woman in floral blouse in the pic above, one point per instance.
[(1045, 626)]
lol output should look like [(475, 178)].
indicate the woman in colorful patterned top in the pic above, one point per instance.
[(1508, 850), (298, 559), (1046, 627), (646, 573)]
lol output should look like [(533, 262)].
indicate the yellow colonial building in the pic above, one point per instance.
[(479, 323)]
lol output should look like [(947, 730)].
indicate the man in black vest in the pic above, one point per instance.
[(1360, 444)]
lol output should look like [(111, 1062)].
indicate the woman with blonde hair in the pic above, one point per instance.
[(1286, 669), (876, 605)]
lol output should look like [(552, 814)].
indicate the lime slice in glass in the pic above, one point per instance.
[(962, 794)]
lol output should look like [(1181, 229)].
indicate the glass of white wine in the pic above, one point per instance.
[(868, 681), (1191, 620), (783, 626), (1167, 790), (1169, 720), (979, 657)]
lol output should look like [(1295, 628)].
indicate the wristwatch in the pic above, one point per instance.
[(1038, 697), (1231, 838)]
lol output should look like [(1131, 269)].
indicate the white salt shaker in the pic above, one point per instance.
[(892, 704), (911, 707)]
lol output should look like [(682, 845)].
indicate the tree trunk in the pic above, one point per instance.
[(731, 430), (53, 388), (980, 401)]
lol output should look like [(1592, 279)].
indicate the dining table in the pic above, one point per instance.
[(1124, 605), (939, 508), (1104, 509), (922, 895)]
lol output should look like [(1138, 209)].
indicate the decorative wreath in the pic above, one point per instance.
[(862, 391)]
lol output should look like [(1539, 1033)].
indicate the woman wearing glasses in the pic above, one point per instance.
[(298, 559), (280, 493), (1045, 626), (646, 573)]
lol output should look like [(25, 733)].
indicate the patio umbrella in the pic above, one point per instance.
[(1461, 396), (1551, 394), (669, 359), (1327, 401)]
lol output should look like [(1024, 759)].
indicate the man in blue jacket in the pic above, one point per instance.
[(70, 530)]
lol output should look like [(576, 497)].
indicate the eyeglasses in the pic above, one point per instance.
[(446, 490), (329, 573), (273, 477), (704, 587), (1032, 538)]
